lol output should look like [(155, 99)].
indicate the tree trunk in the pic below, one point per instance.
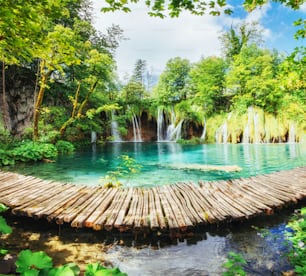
[(39, 100), (6, 117)]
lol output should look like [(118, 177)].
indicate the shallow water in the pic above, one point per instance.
[(260, 241), (89, 164), (205, 251)]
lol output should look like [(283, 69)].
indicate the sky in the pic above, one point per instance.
[(193, 37)]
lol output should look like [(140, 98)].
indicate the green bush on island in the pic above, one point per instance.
[(64, 146)]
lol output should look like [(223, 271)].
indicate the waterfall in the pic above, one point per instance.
[(256, 128), (160, 124), (291, 134), (246, 131), (204, 131), (114, 129), (174, 133), (221, 134), (136, 129), (93, 137)]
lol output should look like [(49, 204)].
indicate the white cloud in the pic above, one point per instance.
[(157, 40), (303, 7)]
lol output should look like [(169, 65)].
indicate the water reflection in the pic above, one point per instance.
[(88, 164), (260, 241)]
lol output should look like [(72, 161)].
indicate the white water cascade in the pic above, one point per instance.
[(114, 129), (204, 131), (93, 137), (292, 134), (221, 134), (251, 132), (160, 125), (174, 133), (136, 129)]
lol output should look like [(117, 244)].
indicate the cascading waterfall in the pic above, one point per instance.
[(221, 134), (291, 134), (246, 131), (160, 125), (93, 137), (256, 128), (136, 129), (174, 133), (114, 129), (204, 131)]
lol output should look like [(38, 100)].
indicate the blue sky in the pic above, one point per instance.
[(192, 37)]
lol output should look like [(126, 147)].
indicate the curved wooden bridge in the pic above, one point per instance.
[(176, 207)]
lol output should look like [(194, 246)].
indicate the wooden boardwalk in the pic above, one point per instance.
[(176, 207)]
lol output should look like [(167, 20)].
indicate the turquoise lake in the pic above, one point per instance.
[(89, 164), (260, 240)]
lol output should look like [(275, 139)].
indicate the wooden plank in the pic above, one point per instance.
[(169, 214), (93, 208), (100, 222), (145, 210), (152, 210), (192, 204), (23, 196), (139, 210), (80, 204), (41, 208), (183, 218), (117, 206), (34, 201), (159, 210), (123, 211), (129, 219)]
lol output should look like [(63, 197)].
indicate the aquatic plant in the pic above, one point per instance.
[(297, 236), (4, 228), (234, 265), (127, 167)]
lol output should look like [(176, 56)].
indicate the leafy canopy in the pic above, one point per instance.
[(160, 8)]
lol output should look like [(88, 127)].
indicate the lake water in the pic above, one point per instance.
[(89, 164), (206, 250)]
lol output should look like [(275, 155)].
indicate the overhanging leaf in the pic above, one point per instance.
[(28, 260)]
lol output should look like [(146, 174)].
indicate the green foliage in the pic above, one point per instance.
[(207, 84), (297, 237), (6, 158), (192, 141), (171, 87), (99, 270), (4, 228), (64, 147), (30, 263), (128, 166), (31, 151), (160, 8), (234, 265)]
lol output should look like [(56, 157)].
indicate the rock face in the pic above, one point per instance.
[(19, 98)]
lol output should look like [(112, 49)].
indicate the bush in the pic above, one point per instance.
[(31, 151), (64, 146), (6, 158), (192, 141), (297, 237)]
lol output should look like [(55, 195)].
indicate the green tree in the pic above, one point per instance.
[(207, 84), (251, 79), (172, 84), (174, 7), (57, 51), (239, 36)]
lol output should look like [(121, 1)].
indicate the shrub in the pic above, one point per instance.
[(64, 146), (297, 237), (6, 158), (31, 151)]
